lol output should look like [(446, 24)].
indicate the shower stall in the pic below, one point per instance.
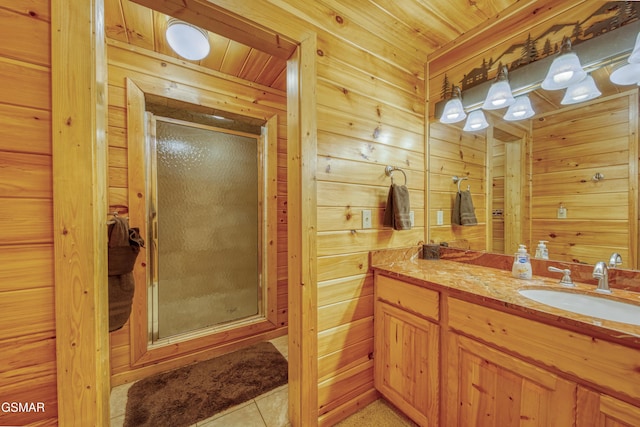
[(206, 229)]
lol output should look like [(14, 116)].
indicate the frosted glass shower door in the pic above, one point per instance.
[(207, 227)]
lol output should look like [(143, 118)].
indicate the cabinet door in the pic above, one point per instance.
[(406, 362), (600, 410), (488, 388)]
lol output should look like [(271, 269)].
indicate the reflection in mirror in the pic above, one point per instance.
[(536, 167)]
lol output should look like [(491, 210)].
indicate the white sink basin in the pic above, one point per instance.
[(589, 305)]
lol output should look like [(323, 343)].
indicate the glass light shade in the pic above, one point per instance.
[(453, 110), (634, 58), (628, 74), (564, 71), (520, 110), (581, 91), (499, 96), (475, 121), (188, 41)]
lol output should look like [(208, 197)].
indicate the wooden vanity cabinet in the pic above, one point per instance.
[(473, 365), (488, 388), (407, 348), (597, 409)]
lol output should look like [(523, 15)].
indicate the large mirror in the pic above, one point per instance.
[(568, 176)]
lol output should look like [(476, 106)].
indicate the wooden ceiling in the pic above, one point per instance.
[(419, 27)]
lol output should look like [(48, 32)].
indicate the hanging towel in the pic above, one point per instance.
[(124, 246), (463, 212), (397, 212)]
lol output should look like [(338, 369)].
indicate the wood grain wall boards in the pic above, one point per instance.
[(25, 129), (205, 85), (28, 358), (453, 152), (28, 29), (600, 139)]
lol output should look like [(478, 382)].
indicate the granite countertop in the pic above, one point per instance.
[(496, 288)]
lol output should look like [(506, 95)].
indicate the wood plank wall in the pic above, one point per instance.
[(464, 154), (497, 198), (569, 148), (370, 114), (27, 318), (231, 93)]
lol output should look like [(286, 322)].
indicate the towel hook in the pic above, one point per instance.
[(389, 172), (458, 180)]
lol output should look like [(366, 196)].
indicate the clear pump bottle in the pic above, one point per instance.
[(522, 264), (542, 252)]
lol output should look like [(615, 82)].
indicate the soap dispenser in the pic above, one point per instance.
[(521, 264), (542, 252)]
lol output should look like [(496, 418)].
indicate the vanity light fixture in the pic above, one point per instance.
[(565, 70), (453, 110), (629, 74), (475, 121), (581, 91), (499, 95), (188, 41), (520, 110)]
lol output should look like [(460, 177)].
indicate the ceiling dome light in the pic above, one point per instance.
[(499, 95), (520, 110), (188, 41), (581, 91), (453, 110), (475, 121), (565, 70)]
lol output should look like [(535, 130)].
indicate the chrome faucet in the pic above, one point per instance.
[(601, 272), (615, 260), (566, 276)]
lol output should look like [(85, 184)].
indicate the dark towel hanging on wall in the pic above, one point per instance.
[(124, 246), (463, 211), (397, 212)]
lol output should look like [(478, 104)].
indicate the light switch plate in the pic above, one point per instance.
[(412, 217), (562, 213), (439, 217), (366, 218)]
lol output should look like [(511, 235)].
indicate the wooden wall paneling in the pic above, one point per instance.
[(29, 32), (600, 140), (271, 217), (28, 327), (79, 117), (489, 189), (514, 184), (34, 90), (337, 266), (301, 234), (634, 182), (31, 127), (331, 392)]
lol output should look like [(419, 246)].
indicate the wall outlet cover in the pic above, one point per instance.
[(439, 217), (413, 218), (366, 218)]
